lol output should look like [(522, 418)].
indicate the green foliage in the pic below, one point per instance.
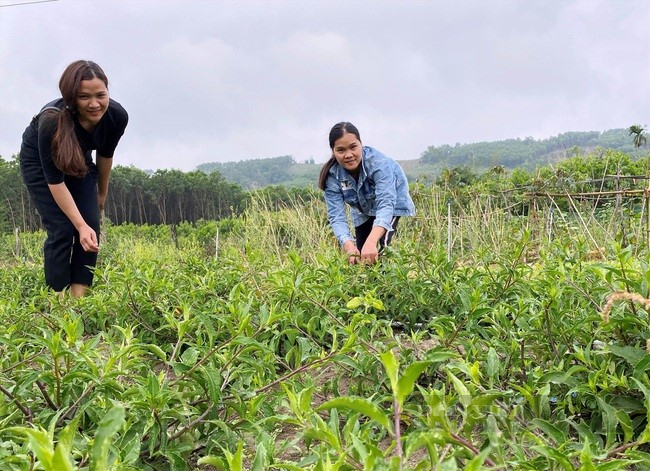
[(274, 353), (254, 173), (528, 153)]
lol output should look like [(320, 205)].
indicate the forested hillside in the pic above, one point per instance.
[(528, 153), (525, 153), (258, 173)]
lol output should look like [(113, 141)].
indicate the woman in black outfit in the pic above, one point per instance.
[(69, 189)]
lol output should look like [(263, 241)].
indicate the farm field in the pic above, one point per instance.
[(493, 344)]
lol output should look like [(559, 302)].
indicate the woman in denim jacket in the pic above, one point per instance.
[(372, 185)]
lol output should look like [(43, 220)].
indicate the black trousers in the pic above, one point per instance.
[(66, 262), (363, 231)]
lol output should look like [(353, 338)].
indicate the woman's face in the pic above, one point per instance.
[(347, 152), (92, 102)]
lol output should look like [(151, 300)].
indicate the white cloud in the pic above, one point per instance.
[(225, 81)]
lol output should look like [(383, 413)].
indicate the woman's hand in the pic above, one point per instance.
[(88, 238), (352, 252), (369, 252)]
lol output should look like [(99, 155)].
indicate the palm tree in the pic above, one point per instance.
[(639, 137)]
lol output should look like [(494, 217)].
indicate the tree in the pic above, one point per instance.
[(126, 199), (639, 137), (16, 208)]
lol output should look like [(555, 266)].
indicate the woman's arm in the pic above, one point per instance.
[(87, 236), (338, 220), (104, 165), (336, 212)]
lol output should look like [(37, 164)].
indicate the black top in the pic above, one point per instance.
[(37, 138)]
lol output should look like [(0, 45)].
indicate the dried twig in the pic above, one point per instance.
[(623, 296)]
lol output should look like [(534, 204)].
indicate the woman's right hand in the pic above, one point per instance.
[(88, 238), (352, 252)]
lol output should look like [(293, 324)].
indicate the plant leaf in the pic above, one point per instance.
[(110, 424), (407, 380), (392, 367), (358, 404)]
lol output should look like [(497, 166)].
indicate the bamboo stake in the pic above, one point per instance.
[(102, 230), (586, 227), (593, 193), (448, 230), (216, 245), (647, 214), (17, 234)]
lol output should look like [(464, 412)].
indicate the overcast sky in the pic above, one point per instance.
[(207, 81)]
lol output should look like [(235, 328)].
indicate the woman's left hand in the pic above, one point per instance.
[(369, 252)]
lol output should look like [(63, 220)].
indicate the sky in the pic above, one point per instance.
[(225, 81)]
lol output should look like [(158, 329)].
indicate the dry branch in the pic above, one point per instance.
[(624, 296)]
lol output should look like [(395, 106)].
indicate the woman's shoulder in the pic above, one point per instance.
[(371, 152), (377, 158), (117, 113), (57, 104), (48, 115), (116, 108), (51, 109)]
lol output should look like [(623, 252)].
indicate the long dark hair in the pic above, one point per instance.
[(337, 131), (66, 150)]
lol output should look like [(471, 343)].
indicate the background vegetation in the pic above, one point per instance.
[(527, 154), (221, 190)]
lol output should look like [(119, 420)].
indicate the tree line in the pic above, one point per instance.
[(529, 153), (214, 192), (173, 196), (135, 196)]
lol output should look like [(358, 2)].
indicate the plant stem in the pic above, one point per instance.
[(204, 359), (523, 363), (46, 396), (26, 360), (549, 333), (398, 434), (25, 410), (622, 448), (338, 321), (294, 372), (461, 441), (192, 424), (57, 379), (72, 410)]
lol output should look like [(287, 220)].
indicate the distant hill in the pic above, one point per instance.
[(527, 153)]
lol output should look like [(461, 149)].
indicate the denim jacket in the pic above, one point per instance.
[(382, 191)]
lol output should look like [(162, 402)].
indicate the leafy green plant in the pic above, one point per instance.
[(512, 350)]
